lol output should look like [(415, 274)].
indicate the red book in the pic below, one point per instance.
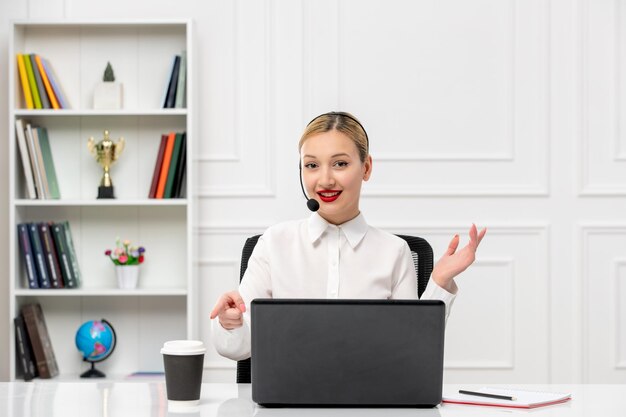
[(52, 260), (167, 159), (157, 167)]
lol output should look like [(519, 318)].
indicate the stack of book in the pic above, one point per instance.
[(175, 91), (48, 254), (37, 162), (168, 179), (32, 341), (40, 85)]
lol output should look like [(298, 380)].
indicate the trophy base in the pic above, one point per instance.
[(105, 192)]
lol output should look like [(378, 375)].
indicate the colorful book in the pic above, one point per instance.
[(181, 88), (45, 103), (157, 167), (60, 243), (56, 86), (40, 340), (180, 168), (167, 159), (31, 81), (21, 69), (38, 254), (50, 253), (46, 83), (26, 250), (23, 350), (40, 164), (169, 184), (71, 252), (32, 152), (25, 157), (170, 100), (48, 163)]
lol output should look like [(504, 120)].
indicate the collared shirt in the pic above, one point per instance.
[(311, 258)]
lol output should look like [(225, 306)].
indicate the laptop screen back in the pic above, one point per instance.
[(347, 352)]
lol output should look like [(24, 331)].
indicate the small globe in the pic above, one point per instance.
[(95, 339)]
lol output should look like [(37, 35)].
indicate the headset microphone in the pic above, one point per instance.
[(311, 203)]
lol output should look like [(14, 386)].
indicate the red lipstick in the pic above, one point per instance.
[(328, 196)]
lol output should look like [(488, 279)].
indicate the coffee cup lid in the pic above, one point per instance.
[(183, 347)]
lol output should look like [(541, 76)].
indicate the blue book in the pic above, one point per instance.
[(27, 255), (40, 259)]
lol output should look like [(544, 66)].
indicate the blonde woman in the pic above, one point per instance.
[(334, 253)]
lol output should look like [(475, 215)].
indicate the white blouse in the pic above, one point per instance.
[(311, 258)]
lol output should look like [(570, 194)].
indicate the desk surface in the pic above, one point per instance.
[(148, 399)]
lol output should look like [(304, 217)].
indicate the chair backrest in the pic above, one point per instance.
[(422, 254)]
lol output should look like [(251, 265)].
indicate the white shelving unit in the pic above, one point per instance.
[(163, 307)]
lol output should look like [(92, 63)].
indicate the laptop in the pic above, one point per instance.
[(363, 353)]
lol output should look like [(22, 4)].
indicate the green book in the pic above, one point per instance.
[(71, 251), (181, 89), (169, 184), (60, 243), (48, 162), (32, 82)]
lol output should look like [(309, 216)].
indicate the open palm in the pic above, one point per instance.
[(454, 262)]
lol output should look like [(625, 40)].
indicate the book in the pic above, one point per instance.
[(25, 157), (31, 81), (40, 340), (26, 250), (32, 152), (167, 159), (169, 183), (38, 254), (522, 398), (181, 88), (23, 350), (170, 100), (71, 252), (56, 87), (157, 167), (180, 168), (40, 164), (50, 253), (48, 163), (60, 243), (43, 96), (46, 83), (21, 69)]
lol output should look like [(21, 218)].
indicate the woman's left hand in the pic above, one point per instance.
[(452, 263)]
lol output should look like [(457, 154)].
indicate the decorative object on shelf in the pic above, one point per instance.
[(96, 341), (106, 153), (127, 259), (108, 94), (127, 276)]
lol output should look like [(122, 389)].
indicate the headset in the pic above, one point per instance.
[(312, 203)]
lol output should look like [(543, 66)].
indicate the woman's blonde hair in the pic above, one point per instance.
[(342, 122)]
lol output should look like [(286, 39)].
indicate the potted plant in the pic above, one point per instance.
[(126, 259), (108, 93)]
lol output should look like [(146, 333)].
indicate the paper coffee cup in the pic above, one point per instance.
[(183, 361)]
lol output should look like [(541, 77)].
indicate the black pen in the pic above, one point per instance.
[(482, 394)]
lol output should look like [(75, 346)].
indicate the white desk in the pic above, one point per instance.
[(148, 399)]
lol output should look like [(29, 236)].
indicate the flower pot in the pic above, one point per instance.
[(108, 96), (127, 276)]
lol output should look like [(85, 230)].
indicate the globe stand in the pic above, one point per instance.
[(93, 372)]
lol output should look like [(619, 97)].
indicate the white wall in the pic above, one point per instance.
[(503, 113)]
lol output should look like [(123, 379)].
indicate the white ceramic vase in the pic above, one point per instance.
[(127, 276), (108, 96)]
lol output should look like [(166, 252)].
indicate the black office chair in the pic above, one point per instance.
[(422, 254)]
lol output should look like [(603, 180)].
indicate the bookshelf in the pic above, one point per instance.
[(163, 306)]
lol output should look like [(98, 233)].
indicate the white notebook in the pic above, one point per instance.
[(521, 398)]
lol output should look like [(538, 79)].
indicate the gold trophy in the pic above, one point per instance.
[(106, 153)]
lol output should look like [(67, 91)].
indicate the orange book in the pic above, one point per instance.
[(46, 83), (167, 159), (28, 98)]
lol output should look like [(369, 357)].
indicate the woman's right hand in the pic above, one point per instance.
[(229, 308)]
